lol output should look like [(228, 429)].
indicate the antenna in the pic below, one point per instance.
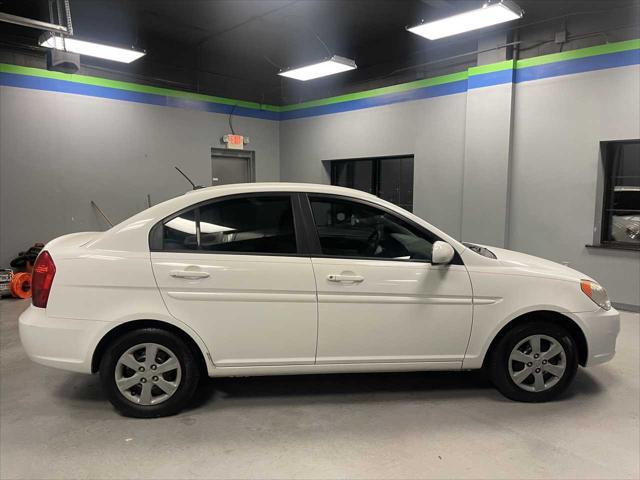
[(195, 187), (95, 205)]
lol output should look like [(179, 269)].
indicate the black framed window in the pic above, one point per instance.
[(181, 232), (253, 225), (352, 229), (621, 206), (390, 178)]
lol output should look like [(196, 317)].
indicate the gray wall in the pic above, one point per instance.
[(558, 125), (59, 151), (487, 164), (432, 130), (550, 176)]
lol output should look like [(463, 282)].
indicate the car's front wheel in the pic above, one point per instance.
[(149, 373), (534, 362)]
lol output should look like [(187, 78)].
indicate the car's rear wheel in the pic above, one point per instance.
[(534, 362), (149, 373)]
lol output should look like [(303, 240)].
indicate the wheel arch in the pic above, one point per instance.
[(131, 325), (574, 329)]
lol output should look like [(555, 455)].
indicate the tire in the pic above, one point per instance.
[(505, 370), (167, 388)]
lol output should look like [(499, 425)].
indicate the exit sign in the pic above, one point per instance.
[(235, 142)]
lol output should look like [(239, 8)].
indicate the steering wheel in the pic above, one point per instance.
[(373, 241)]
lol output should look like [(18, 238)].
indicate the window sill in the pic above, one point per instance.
[(627, 248)]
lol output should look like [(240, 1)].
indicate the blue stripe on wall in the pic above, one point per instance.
[(410, 95), (50, 84), (492, 78), (578, 65), (566, 67), (536, 72)]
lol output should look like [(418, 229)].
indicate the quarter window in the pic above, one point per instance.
[(180, 233), (351, 229), (260, 224)]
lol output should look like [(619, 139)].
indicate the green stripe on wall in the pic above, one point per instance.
[(132, 87), (481, 69), (580, 53), (491, 67), (403, 87)]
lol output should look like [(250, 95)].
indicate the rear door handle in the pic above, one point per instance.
[(345, 278), (192, 274)]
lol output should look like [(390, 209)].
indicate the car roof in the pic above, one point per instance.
[(236, 188)]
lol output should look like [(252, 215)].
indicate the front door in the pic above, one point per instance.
[(231, 270), (379, 298)]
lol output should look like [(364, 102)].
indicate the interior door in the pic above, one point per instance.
[(379, 298), (231, 269), (231, 167)]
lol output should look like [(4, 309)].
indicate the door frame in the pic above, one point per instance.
[(248, 155)]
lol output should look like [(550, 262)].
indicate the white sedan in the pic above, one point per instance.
[(277, 278)]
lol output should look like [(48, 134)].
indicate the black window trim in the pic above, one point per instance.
[(605, 219), (375, 171), (314, 241), (155, 233)]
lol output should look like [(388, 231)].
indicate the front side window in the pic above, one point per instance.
[(621, 212), (352, 229), (257, 224)]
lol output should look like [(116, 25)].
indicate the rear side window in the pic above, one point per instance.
[(257, 224), (253, 225)]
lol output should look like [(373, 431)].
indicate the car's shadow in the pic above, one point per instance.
[(341, 388), (333, 388)]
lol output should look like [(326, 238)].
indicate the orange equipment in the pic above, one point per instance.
[(21, 285)]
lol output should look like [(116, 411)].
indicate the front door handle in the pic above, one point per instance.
[(192, 274), (345, 278)]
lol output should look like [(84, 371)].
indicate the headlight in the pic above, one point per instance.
[(596, 293)]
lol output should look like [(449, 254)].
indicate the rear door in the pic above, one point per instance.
[(234, 270)]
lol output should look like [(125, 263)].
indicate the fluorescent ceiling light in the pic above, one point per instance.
[(489, 14), (334, 65), (91, 49)]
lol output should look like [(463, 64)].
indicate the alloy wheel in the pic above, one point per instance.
[(537, 363), (148, 374)]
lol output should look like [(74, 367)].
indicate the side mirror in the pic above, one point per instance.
[(442, 253)]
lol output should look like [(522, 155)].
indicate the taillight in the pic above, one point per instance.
[(43, 272)]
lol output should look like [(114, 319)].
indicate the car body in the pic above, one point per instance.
[(326, 280)]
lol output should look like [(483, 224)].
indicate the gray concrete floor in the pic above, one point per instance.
[(56, 424)]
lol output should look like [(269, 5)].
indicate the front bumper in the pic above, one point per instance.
[(601, 329), (59, 342)]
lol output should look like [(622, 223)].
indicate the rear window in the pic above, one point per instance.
[(256, 224)]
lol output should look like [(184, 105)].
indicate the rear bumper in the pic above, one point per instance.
[(601, 329), (59, 342)]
